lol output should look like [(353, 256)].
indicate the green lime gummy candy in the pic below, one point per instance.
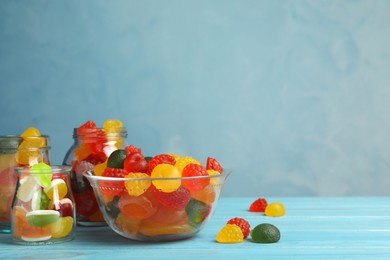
[(43, 173)]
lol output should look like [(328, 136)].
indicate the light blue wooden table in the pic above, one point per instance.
[(313, 228)]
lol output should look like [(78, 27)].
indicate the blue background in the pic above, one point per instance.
[(292, 96)]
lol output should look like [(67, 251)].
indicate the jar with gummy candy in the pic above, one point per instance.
[(43, 208), (26, 149), (91, 148)]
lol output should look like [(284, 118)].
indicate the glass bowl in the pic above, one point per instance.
[(178, 209)]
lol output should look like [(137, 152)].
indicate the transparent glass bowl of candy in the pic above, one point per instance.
[(178, 209)]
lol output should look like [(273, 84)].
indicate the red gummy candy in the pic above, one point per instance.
[(113, 188), (258, 205), (242, 223), (195, 170), (132, 149), (135, 162), (176, 200), (87, 127), (86, 203), (213, 164), (158, 159)]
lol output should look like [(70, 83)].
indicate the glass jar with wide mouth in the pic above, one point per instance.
[(17, 151), (91, 148), (43, 209)]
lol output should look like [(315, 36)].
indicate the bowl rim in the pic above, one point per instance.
[(91, 176)]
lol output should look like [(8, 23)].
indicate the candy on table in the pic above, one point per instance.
[(230, 233), (258, 205), (242, 223), (275, 209), (265, 233)]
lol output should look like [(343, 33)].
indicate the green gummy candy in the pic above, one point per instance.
[(43, 173)]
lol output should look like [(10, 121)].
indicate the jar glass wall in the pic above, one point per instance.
[(43, 208), (90, 149), (17, 151)]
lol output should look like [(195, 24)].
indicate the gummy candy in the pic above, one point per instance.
[(96, 217), (113, 188), (64, 206), (82, 151), (33, 136), (57, 189), (166, 171), (137, 187), (19, 220), (258, 205), (62, 227), (176, 200), (39, 200), (132, 149), (184, 161), (195, 170), (80, 167), (230, 233), (160, 159), (197, 211), (150, 228), (43, 173), (139, 207), (112, 126), (135, 162), (116, 159), (275, 209), (27, 154), (169, 216), (265, 233), (207, 195), (242, 223), (41, 218), (31, 131), (28, 186), (213, 181), (99, 168), (35, 234), (213, 164), (86, 203), (128, 225)]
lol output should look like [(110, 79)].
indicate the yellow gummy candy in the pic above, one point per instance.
[(230, 233), (137, 187), (166, 171)]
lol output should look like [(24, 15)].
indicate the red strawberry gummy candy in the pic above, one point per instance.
[(113, 188), (132, 149), (135, 162), (176, 200), (243, 224), (194, 170), (258, 205), (213, 164)]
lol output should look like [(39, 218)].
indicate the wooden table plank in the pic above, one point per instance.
[(313, 227)]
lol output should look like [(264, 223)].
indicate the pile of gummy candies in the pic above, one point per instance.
[(42, 208), (237, 229), (147, 204)]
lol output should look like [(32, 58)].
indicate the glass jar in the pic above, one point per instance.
[(42, 210), (91, 148), (16, 151)]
